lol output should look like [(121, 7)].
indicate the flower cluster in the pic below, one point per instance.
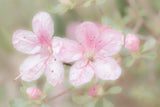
[(91, 48)]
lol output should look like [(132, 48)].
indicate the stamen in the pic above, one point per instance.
[(18, 76)]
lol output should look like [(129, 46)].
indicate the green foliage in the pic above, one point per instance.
[(20, 103), (88, 3), (114, 90), (81, 99), (103, 103), (99, 103), (149, 56), (149, 44), (107, 103), (129, 61), (124, 52), (60, 9)]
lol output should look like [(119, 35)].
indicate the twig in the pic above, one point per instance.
[(140, 17), (100, 10), (54, 97), (138, 25)]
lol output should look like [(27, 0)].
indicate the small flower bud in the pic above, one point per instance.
[(96, 91), (132, 42), (34, 93)]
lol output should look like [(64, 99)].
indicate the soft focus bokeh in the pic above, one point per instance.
[(140, 79)]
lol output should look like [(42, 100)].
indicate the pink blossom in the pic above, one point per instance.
[(96, 91), (92, 53), (33, 93), (39, 44), (132, 42)]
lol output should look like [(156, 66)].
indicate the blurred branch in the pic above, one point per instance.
[(141, 20)]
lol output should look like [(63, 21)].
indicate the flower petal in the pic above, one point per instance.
[(110, 43), (107, 69), (71, 29), (66, 50), (81, 72), (26, 42), (43, 25), (33, 67), (87, 33), (54, 72)]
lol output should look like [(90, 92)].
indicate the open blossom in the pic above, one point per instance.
[(33, 93), (39, 44), (92, 51), (132, 42)]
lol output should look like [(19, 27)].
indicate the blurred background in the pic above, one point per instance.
[(140, 78)]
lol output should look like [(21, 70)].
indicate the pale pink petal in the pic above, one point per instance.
[(107, 69), (87, 33), (25, 41), (132, 42), (66, 50), (43, 25), (33, 67), (81, 72), (110, 43), (54, 72), (71, 29)]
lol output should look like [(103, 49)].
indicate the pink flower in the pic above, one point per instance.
[(92, 53), (96, 91), (33, 93), (132, 42), (39, 44)]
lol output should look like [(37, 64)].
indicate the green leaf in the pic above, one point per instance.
[(81, 99), (149, 55), (99, 103), (114, 90), (124, 52), (90, 104), (107, 21), (88, 3), (44, 105), (107, 103), (17, 103), (149, 44), (59, 9), (129, 61), (47, 88)]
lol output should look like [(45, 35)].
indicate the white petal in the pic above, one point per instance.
[(81, 72), (66, 50), (33, 67), (26, 41), (43, 25), (107, 69), (54, 72)]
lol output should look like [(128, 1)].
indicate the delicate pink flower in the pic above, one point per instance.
[(33, 93), (92, 51), (71, 29), (39, 44), (132, 42), (96, 91)]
